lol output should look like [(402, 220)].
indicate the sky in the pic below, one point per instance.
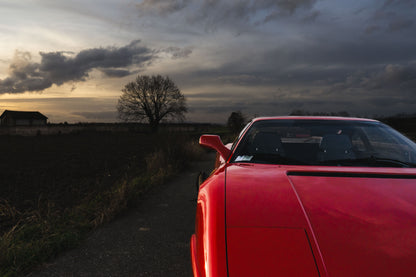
[(70, 59)]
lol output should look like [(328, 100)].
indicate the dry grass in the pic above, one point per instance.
[(35, 235)]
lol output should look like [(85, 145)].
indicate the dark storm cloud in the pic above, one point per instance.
[(393, 16), (61, 67), (372, 29), (409, 3), (116, 73), (391, 78), (400, 24), (312, 63), (328, 57), (384, 90), (312, 16), (215, 13), (248, 10), (363, 90)]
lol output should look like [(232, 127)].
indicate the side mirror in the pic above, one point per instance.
[(214, 142)]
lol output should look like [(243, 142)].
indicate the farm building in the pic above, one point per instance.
[(18, 118)]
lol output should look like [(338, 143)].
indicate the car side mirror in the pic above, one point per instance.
[(214, 142)]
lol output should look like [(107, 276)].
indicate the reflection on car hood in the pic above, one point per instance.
[(358, 221)]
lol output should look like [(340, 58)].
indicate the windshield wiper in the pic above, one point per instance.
[(370, 161), (390, 161)]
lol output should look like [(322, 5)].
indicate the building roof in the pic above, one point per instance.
[(23, 115)]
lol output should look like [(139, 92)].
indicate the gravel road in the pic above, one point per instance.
[(150, 240)]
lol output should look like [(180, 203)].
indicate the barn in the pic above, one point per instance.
[(19, 118)]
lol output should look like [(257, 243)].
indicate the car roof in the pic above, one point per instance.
[(312, 118)]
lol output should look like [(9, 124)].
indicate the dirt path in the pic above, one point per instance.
[(151, 240)]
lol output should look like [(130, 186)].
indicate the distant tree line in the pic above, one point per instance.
[(236, 121)]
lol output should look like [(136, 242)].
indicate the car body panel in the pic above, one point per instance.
[(261, 196), (264, 196), (209, 248), (367, 228), (269, 251)]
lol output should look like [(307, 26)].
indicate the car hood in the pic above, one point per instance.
[(332, 221)]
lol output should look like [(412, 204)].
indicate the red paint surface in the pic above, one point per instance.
[(356, 226), (209, 248), (262, 196), (364, 226), (269, 252)]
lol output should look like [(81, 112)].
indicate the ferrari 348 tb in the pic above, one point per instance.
[(308, 196)]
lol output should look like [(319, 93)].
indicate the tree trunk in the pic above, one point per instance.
[(154, 126)]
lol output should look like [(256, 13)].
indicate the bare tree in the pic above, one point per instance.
[(151, 98)]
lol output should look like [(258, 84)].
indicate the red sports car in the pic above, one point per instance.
[(308, 196)]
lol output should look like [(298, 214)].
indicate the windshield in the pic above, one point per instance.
[(325, 142)]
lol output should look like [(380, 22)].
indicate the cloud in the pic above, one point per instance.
[(97, 116), (388, 3), (115, 73), (401, 77), (394, 82), (372, 29), (361, 90), (161, 7), (393, 16), (177, 52), (219, 13), (400, 24), (241, 8), (62, 67), (311, 17)]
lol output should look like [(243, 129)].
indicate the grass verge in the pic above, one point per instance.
[(39, 234)]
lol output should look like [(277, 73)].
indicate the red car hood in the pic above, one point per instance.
[(331, 221)]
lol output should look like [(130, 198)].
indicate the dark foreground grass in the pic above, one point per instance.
[(56, 189)]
